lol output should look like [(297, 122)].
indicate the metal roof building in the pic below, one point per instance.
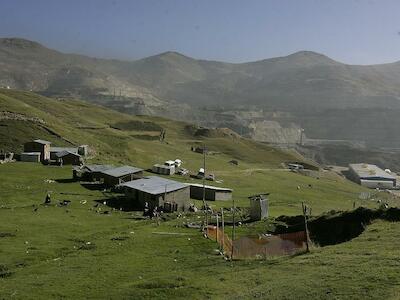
[(119, 175), (39, 146), (43, 142), (371, 176), (212, 193), (97, 168), (158, 191), (154, 185), (69, 158), (90, 172)]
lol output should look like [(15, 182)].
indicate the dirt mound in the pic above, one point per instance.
[(211, 132), (337, 227)]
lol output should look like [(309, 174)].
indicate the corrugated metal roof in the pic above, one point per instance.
[(42, 142), (370, 171), (210, 187), (60, 149), (163, 166), (31, 153), (64, 153), (154, 185), (122, 171), (98, 168)]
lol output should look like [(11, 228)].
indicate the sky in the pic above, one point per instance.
[(350, 31)]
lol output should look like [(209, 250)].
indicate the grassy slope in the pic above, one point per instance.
[(258, 169), (48, 256)]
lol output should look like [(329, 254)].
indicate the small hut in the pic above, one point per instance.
[(259, 207)]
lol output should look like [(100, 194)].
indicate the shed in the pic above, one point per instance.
[(83, 150), (213, 193), (30, 156), (115, 176), (92, 172), (55, 150), (69, 158), (371, 176), (258, 207), (163, 169), (158, 191), (39, 146)]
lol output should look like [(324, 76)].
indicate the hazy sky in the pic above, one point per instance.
[(356, 32)]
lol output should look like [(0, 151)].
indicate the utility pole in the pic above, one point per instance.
[(301, 136), (304, 207), (204, 184)]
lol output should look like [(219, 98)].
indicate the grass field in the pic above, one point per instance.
[(78, 251), (75, 252)]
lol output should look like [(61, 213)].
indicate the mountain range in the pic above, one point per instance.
[(271, 99)]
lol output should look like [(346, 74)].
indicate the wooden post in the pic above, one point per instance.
[(216, 234), (223, 230), (204, 185), (305, 224)]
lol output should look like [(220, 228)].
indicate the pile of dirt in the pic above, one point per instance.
[(211, 132), (337, 227)]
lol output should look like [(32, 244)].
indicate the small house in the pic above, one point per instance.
[(69, 158), (163, 169), (157, 191), (55, 150), (115, 176), (212, 193), (30, 156), (91, 172), (258, 207), (39, 146)]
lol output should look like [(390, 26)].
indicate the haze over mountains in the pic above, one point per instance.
[(268, 100)]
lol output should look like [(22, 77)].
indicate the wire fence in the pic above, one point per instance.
[(263, 246)]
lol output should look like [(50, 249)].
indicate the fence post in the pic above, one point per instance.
[(305, 224), (223, 230), (216, 234)]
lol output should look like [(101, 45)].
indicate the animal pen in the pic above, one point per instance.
[(256, 247)]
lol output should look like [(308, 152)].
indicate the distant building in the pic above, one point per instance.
[(30, 156), (39, 146), (157, 191), (258, 207), (201, 150), (69, 158), (371, 176), (164, 169), (91, 172), (212, 193), (81, 150), (115, 176), (55, 150)]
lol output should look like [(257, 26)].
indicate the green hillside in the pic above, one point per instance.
[(89, 250), (75, 252), (123, 139)]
